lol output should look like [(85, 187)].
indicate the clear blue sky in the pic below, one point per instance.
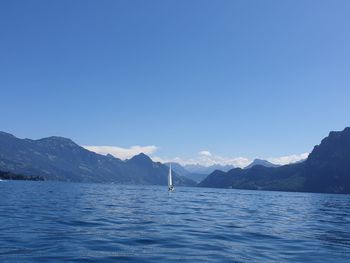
[(237, 78)]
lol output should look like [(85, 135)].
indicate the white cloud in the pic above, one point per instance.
[(288, 159), (122, 153), (204, 153)]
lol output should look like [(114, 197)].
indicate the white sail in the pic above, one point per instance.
[(170, 180)]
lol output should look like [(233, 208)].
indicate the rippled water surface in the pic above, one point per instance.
[(51, 221)]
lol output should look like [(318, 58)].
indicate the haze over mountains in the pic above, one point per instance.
[(57, 158), (197, 168), (327, 169), (197, 172)]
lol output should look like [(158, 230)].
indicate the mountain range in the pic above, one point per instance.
[(201, 169), (326, 170), (199, 172), (261, 162), (58, 158), (181, 170)]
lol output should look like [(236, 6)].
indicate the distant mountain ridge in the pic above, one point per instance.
[(262, 163), (58, 158), (326, 170), (197, 172), (179, 169), (197, 168)]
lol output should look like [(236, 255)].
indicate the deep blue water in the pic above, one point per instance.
[(51, 221)]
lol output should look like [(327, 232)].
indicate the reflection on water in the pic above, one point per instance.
[(77, 222)]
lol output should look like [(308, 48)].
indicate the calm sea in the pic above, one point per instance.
[(52, 221)]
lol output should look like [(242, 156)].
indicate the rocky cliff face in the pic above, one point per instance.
[(327, 170), (328, 167)]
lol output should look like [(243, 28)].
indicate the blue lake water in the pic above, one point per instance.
[(52, 221)]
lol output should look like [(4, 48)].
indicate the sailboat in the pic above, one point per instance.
[(171, 187)]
